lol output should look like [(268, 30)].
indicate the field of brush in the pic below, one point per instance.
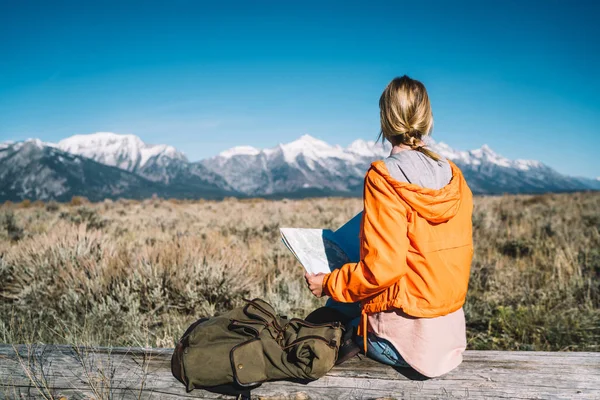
[(138, 273)]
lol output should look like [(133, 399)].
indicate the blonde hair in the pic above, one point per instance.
[(405, 114)]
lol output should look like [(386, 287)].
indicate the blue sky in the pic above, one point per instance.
[(520, 76)]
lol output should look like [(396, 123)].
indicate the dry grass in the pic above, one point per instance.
[(138, 273)]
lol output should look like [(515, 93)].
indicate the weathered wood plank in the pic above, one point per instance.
[(121, 373)]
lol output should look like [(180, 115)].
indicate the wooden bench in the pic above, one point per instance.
[(65, 372)]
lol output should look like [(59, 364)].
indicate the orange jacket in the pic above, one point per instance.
[(416, 248)]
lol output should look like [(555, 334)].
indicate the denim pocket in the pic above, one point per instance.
[(391, 354)]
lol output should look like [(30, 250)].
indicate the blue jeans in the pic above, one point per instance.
[(378, 349)]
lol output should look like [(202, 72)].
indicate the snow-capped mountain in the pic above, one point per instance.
[(159, 163), (127, 152), (311, 165), (34, 170), (110, 165), (489, 173), (480, 156), (304, 165)]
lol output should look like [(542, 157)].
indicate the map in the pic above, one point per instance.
[(322, 250)]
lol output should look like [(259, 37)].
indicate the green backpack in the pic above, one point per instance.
[(252, 344)]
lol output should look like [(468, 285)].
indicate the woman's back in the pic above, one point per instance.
[(416, 247), (432, 346)]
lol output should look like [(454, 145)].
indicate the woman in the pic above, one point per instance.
[(416, 247)]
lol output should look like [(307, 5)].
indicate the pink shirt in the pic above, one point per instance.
[(432, 346)]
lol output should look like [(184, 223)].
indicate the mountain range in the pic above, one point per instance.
[(108, 165)]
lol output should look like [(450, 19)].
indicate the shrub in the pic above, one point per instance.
[(79, 200), (52, 206), (26, 203), (85, 215), (14, 231), (592, 220), (516, 248), (80, 276)]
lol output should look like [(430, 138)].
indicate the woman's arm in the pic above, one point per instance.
[(384, 246)]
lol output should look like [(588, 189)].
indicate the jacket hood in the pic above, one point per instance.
[(435, 205)]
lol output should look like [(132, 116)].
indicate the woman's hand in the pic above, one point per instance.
[(315, 283)]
